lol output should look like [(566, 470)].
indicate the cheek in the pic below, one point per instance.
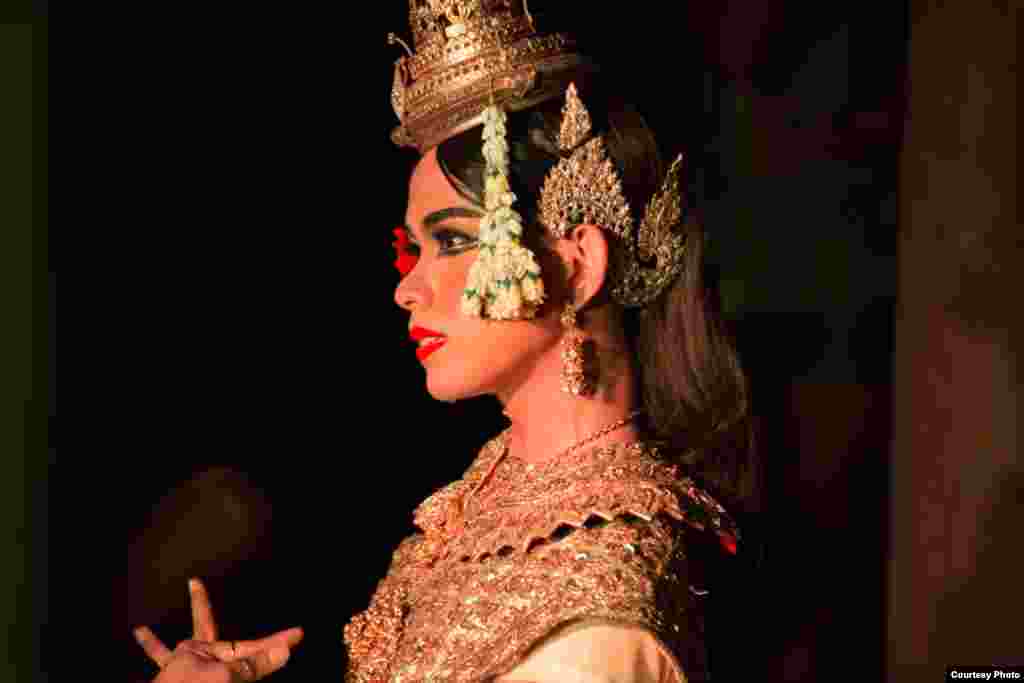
[(482, 356), (449, 280), (450, 288), (488, 357)]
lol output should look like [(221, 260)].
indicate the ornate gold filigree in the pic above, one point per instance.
[(372, 636), (460, 49), (575, 379), (473, 608), (585, 188), (661, 239), (576, 123), (471, 54)]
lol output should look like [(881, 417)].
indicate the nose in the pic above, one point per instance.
[(411, 293)]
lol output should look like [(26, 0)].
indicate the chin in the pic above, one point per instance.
[(449, 385)]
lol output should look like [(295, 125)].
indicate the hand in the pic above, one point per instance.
[(204, 659)]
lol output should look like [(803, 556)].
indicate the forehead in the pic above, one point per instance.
[(430, 190)]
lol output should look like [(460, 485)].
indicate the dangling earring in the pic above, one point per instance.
[(574, 377)]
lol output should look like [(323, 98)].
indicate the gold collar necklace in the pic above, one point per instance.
[(607, 429)]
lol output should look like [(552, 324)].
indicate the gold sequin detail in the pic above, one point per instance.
[(511, 553)]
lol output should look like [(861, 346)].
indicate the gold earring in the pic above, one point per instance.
[(574, 377)]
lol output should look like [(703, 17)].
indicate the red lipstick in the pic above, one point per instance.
[(429, 341)]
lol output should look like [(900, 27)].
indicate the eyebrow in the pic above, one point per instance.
[(453, 212), (440, 215)]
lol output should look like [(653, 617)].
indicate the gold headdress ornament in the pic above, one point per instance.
[(585, 188), (473, 61), (466, 51)]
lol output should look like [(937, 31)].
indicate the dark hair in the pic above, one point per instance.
[(693, 389)]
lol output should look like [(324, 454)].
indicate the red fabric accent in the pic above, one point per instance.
[(728, 542)]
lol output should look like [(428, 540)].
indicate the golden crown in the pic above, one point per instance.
[(476, 59), (466, 52)]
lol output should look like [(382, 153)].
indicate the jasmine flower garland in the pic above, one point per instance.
[(504, 283)]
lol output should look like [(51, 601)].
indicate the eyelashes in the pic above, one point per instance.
[(450, 243), (453, 242)]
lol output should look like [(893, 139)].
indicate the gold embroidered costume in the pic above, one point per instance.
[(514, 557), (513, 553)]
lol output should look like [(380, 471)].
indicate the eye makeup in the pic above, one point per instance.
[(452, 242)]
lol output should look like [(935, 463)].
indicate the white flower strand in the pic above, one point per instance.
[(504, 283)]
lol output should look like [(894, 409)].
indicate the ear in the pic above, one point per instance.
[(585, 254)]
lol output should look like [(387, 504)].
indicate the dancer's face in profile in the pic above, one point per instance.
[(477, 356)]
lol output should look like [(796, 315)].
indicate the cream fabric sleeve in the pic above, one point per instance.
[(601, 653)]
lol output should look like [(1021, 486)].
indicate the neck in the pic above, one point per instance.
[(546, 421)]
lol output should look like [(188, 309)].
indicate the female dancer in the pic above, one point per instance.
[(545, 261)]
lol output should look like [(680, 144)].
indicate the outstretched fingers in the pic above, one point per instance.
[(252, 660), (204, 626), (152, 646), (228, 651), (261, 664)]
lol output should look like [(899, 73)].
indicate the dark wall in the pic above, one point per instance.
[(957, 466)]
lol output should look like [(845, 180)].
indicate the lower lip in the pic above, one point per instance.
[(423, 351)]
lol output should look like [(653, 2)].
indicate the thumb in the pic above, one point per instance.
[(278, 656)]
